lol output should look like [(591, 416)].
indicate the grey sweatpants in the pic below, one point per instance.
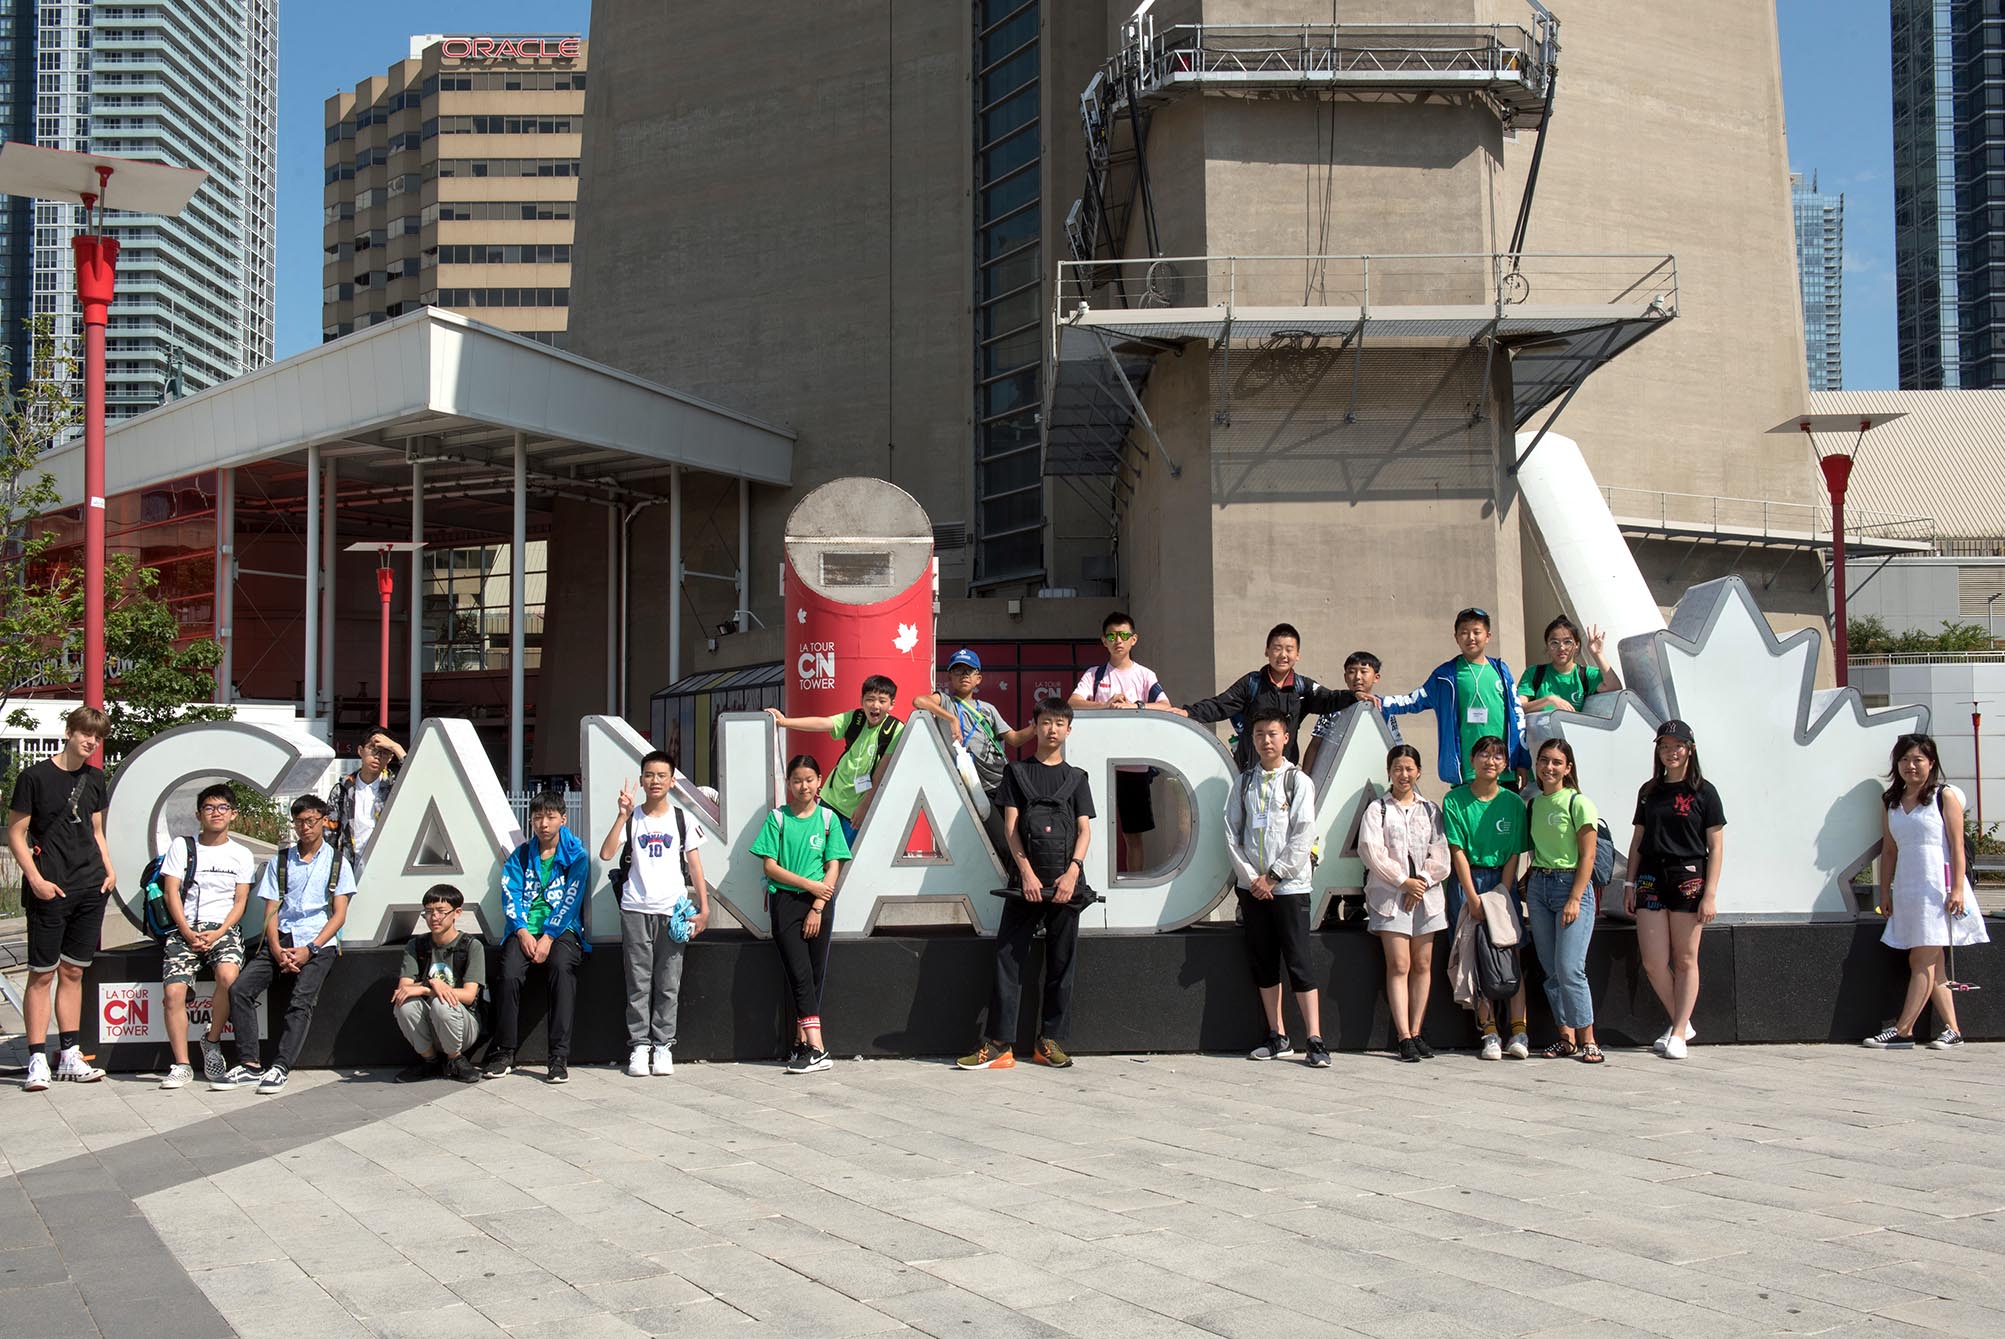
[(654, 978), (433, 1026)]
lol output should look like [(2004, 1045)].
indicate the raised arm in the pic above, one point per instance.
[(818, 725)]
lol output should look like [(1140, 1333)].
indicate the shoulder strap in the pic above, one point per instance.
[(854, 730), (681, 830), (890, 728), (1538, 677), (284, 861), (333, 873), (188, 880), (627, 849), (1099, 676)]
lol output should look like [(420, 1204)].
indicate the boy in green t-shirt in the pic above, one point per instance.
[(1566, 684), (1487, 833), (868, 734), (803, 852)]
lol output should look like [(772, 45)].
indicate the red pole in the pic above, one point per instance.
[(386, 580), (1837, 471), (97, 276), (1977, 763)]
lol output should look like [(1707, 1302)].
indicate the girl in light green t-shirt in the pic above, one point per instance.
[(1559, 899), (803, 847)]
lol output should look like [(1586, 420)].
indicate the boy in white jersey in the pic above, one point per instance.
[(660, 909)]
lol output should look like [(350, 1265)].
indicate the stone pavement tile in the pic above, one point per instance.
[(32, 1267), (942, 1231), (864, 1275), (50, 1311), (183, 1314), (1177, 1253), (1411, 1324), (456, 1321), (1475, 1304), (709, 1319), (598, 1325), (1936, 1278), (1095, 1316), (773, 1294), (1161, 1290), (1646, 1311), (1219, 1226), (1945, 1316), (777, 1236), (1492, 1261), (1982, 1232), (955, 1313), (386, 1291), (1265, 1320), (1008, 1280), (1073, 1218), (1853, 1292), (526, 1295), (658, 1292), (274, 1300)]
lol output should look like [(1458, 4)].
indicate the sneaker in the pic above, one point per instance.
[(429, 1067), (1315, 1054), (498, 1064), (38, 1073), (1493, 1046), (664, 1061), (1049, 1052), (237, 1076), (560, 1069), (178, 1076), (71, 1067), (1408, 1052), (273, 1081), (637, 1063), (1691, 1034), (460, 1069), (1889, 1039), (1674, 1048), (1520, 1047), (814, 1062), (1946, 1040), (797, 1060), (989, 1055), (1420, 1045), (213, 1066), (1276, 1047)]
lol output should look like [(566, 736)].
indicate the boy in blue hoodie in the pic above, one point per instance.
[(1472, 696), (542, 891)]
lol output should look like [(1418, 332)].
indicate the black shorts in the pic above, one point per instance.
[(1671, 885), (1277, 935), (63, 929), (1132, 804)]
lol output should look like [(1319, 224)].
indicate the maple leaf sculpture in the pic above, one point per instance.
[(1799, 772)]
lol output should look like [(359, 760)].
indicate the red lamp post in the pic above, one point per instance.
[(386, 587)]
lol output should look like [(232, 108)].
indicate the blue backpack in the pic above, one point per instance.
[(154, 917)]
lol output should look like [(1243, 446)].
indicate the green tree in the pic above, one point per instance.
[(1870, 635)]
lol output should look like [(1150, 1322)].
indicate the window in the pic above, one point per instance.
[(466, 606)]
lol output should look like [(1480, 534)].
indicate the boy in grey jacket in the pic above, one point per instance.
[(1270, 821)]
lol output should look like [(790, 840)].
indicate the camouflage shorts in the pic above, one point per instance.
[(179, 963)]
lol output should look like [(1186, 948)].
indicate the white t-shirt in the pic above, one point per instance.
[(218, 871), (368, 807), (654, 880), (1137, 682)]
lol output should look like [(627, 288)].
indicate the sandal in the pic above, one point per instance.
[(1560, 1050), (1590, 1054)]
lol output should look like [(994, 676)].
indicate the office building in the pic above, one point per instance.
[(1949, 192), (1820, 277), (17, 216), (193, 83), (452, 181)]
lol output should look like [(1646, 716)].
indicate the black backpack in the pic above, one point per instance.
[(1048, 827), (618, 875), (1604, 851), (1497, 973), (854, 732), (154, 918)]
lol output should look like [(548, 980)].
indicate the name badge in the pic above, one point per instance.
[(861, 785), (1479, 715), (1259, 821)]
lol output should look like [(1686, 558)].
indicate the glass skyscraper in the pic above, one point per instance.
[(1820, 275), (1949, 191), (17, 216), (188, 82)]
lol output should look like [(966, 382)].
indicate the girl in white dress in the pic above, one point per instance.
[(1404, 842), (1925, 889)]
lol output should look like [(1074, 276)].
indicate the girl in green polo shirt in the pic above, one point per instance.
[(804, 848), (1559, 899)]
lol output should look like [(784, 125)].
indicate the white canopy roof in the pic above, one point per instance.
[(435, 386)]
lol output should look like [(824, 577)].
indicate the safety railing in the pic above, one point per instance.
[(1413, 52), (1758, 517)]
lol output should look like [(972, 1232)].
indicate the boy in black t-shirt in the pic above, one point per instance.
[(1047, 814), (55, 829)]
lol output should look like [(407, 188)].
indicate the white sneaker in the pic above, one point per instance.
[(236, 1076), (1691, 1034), (273, 1081), (664, 1063), (71, 1067), (213, 1067), (38, 1073), (637, 1063), (178, 1076), (1493, 1046), (1520, 1047), (1674, 1048)]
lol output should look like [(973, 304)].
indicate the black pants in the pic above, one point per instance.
[(1277, 936), (255, 979), (804, 960), (1020, 920), (565, 955)]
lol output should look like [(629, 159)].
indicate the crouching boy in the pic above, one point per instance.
[(438, 994)]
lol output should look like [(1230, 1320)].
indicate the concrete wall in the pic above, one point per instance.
[(1948, 692)]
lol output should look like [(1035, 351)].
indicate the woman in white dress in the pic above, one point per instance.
[(1404, 842), (1925, 889)]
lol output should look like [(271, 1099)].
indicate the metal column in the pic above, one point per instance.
[(615, 631), (674, 573), (417, 598), (742, 615), (517, 555), (311, 661), (226, 583), (330, 612)]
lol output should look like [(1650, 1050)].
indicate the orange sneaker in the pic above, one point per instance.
[(1049, 1052), (989, 1055)]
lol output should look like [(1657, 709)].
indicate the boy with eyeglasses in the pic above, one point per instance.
[(1123, 682), (55, 829), (1472, 696), (206, 880), (305, 890), (438, 993), (979, 728)]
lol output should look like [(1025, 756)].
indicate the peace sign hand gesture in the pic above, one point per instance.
[(1596, 640), (626, 799)]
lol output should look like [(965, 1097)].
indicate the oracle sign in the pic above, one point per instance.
[(510, 48)]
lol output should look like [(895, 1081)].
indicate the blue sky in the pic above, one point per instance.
[(1837, 91), (325, 48), (1835, 81)]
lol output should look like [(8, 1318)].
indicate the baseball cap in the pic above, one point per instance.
[(1676, 729), (965, 657)]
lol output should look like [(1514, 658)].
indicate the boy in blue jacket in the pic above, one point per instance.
[(1472, 697), (542, 892)]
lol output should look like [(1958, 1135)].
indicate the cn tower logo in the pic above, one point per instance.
[(814, 667)]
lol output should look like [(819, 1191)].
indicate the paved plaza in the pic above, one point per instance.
[(1750, 1190)]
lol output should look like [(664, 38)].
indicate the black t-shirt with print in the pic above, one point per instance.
[(1674, 820), (59, 806), (1024, 783)]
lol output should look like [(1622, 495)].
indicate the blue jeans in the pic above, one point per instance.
[(1485, 877), (1562, 948)]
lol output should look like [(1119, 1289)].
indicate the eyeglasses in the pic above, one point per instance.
[(1116, 638), (312, 818), (219, 808), (1561, 643), (440, 909)]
